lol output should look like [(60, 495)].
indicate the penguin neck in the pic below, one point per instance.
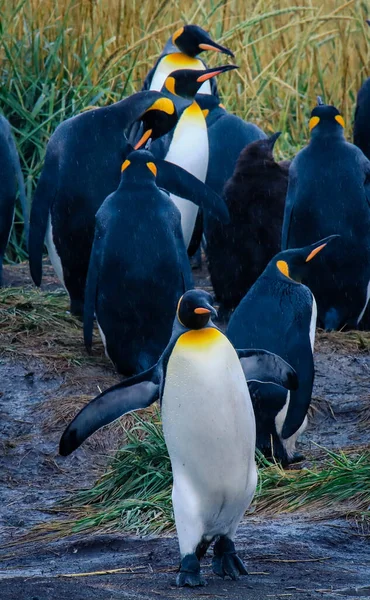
[(174, 61), (327, 135)]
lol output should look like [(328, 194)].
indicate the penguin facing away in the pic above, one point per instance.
[(329, 192), (139, 266), (11, 177), (279, 314), (198, 375), (227, 136), (239, 251), (361, 126), (187, 145), (82, 166), (181, 52)]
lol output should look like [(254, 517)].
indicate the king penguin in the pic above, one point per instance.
[(187, 146), (361, 126), (209, 429), (82, 167), (279, 314), (181, 52), (239, 251), (329, 192), (139, 265), (11, 177)]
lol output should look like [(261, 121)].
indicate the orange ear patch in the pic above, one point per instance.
[(314, 252), (125, 165), (177, 34), (283, 267), (151, 166), (340, 120), (169, 84), (313, 122)]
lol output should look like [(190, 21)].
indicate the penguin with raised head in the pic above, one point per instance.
[(361, 126), (279, 314), (187, 146), (139, 265), (239, 251), (82, 167), (329, 192), (11, 178), (181, 52), (227, 136), (209, 429)]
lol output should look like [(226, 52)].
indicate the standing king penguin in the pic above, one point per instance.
[(139, 265), (329, 192), (181, 52), (279, 314), (209, 429), (187, 146), (239, 251), (11, 177), (361, 126), (82, 167)]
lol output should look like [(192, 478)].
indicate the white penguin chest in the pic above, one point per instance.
[(207, 414), (189, 150), (173, 62)]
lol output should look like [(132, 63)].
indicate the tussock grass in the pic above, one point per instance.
[(59, 57), (134, 494), (35, 324)]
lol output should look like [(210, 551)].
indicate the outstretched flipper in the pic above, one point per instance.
[(132, 394), (178, 181), (267, 367)]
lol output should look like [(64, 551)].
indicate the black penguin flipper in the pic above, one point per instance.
[(300, 402), (21, 187), (132, 394), (90, 291), (178, 181), (42, 201), (267, 367)]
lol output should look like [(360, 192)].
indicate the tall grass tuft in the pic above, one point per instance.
[(59, 57)]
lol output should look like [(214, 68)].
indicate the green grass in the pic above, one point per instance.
[(61, 57)]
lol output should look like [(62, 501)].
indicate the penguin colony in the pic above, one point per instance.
[(126, 194)]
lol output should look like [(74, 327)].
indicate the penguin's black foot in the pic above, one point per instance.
[(190, 572), (225, 561), (297, 457)]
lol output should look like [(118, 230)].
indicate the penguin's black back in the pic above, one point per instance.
[(361, 129), (8, 188), (142, 273), (239, 251), (329, 193)]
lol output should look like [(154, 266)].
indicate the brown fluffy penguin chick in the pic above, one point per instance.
[(255, 195)]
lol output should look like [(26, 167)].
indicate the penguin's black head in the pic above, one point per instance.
[(186, 82), (192, 40), (157, 120), (195, 309), (139, 165), (294, 263), (260, 151), (326, 119)]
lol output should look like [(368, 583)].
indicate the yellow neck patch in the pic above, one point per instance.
[(164, 104), (200, 338), (313, 122), (177, 34), (178, 60), (283, 267)]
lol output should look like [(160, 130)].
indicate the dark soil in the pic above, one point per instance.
[(303, 556)]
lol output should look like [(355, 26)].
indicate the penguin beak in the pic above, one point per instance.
[(273, 138), (144, 138), (316, 248), (209, 73), (213, 46), (206, 310)]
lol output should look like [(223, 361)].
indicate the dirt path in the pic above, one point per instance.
[(287, 557)]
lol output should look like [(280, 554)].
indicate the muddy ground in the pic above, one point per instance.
[(307, 555)]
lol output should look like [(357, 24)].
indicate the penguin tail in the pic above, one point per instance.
[(43, 199), (332, 320), (21, 186)]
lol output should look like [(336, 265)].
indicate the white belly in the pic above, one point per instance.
[(313, 323), (52, 251), (209, 428), (173, 62), (189, 149)]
